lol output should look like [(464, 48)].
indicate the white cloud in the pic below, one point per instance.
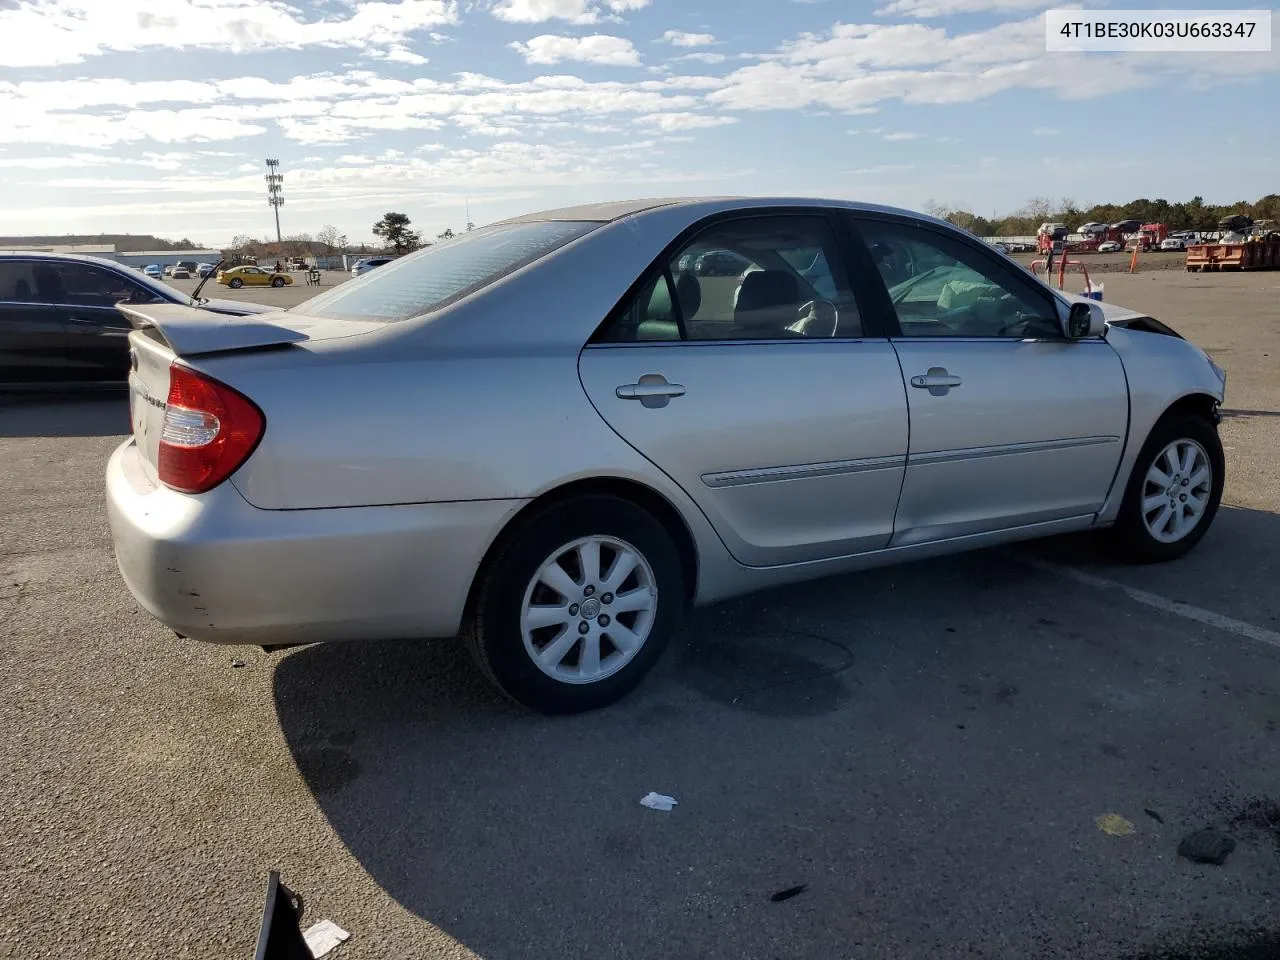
[(1045, 132), (574, 11), (946, 8), (902, 135), (599, 49), (703, 57), (398, 53), (679, 38), (154, 161), (69, 31), (323, 108), (854, 66), (683, 121), (196, 125)]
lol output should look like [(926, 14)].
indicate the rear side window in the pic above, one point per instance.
[(16, 282), (435, 277)]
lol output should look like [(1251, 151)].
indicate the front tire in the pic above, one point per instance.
[(578, 605), (277, 281), (1174, 490), (236, 283)]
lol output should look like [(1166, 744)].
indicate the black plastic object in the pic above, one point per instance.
[(280, 936), (1209, 845)]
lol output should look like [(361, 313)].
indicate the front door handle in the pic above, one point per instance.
[(653, 391), (937, 381)]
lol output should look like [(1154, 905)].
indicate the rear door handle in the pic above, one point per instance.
[(937, 381), (652, 390)]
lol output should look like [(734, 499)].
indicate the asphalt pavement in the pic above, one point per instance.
[(283, 297), (988, 756)]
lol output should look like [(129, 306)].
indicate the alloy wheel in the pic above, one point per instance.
[(589, 609), (1176, 490)]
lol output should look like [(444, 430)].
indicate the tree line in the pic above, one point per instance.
[(1193, 214)]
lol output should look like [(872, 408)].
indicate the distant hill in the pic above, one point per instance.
[(124, 242)]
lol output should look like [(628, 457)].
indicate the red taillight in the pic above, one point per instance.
[(209, 430)]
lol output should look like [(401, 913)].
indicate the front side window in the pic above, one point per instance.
[(756, 278), (940, 287), (421, 282)]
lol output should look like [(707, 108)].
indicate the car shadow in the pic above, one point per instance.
[(901, 740), (99, 414)]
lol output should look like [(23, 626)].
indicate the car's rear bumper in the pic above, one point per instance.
[(214, 568)]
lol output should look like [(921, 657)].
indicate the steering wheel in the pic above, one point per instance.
[(818, 316)]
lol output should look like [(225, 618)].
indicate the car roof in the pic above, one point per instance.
[(62, 258), (620, 209)]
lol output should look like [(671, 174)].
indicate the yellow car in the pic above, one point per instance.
[(238, 277)]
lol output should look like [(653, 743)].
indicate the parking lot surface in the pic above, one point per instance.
[(994, 755), (283, 297)]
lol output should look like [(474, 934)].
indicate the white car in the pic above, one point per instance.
[(1173, 243), (364, 266), (1110, 246)]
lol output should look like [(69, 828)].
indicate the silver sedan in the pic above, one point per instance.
[(552, 435)]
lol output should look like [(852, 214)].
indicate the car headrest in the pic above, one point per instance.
[(688, 294), (768, 299)]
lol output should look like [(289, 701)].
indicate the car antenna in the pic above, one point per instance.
[(205, 279)]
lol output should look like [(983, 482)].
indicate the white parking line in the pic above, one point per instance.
[(1185, 610)]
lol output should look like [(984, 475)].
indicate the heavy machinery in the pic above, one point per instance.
[(1245, 245)]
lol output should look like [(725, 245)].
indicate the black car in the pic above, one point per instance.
[(59, 326)]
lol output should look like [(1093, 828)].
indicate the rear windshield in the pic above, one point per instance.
[(444, 272)]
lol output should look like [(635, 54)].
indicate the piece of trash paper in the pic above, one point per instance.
[(657, 801), (324, 936)]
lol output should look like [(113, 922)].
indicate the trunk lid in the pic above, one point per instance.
[(189, 331), (165, 332)]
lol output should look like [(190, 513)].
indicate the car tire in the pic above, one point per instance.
[(1144, 532), (277, 281), (516, 615), (235, 283)]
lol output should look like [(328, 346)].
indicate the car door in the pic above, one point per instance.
[(1011, 423), (771, 405), (97, 333), (33, 339)]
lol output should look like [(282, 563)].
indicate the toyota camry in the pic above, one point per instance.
[(554, 434)]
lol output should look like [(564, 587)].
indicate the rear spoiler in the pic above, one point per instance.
[(189, 331)]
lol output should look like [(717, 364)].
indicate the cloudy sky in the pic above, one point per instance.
[(154, 116)]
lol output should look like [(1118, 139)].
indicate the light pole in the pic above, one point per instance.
[(275, 191)]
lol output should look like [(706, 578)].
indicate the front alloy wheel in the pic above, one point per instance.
[(1173, 491), (1176, 490)]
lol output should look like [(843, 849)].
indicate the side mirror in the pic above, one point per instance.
[(1084, 320)]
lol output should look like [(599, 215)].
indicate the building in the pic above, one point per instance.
[(163, 258), (135, 259)]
